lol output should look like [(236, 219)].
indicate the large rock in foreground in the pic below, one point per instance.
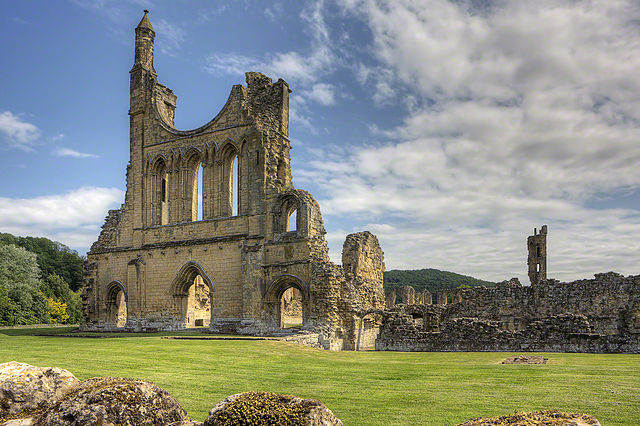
[(26, 388), (538, 418), (108, 400), (272, 409)]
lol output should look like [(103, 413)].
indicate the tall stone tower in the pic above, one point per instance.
[(537, 259)]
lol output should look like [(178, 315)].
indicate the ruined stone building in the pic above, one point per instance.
[(598, 315), (212, 231), (537, 258)]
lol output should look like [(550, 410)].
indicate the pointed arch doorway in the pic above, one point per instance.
[(287, 303), (193, 296)]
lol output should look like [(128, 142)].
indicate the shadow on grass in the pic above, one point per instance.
[(73, 331), (48, 331)]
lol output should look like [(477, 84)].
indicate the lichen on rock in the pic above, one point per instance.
[(26, 388), (258, 408), (537, 418), (109, 400)]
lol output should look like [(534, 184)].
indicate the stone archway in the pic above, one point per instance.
[(116, 304), (192, 291), (293, 289)]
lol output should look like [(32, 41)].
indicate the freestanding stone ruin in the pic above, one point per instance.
[(537, 259), (212, 231)]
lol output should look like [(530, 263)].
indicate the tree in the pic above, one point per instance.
[(53, 257), (57, 311), (19, 276), (7, 308), (57, 289)]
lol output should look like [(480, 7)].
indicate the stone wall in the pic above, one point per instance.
[(598, 315)]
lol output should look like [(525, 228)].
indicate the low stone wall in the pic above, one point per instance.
[(600, 315)]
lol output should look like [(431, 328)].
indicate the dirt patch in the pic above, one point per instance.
[(525, 359), (538, 418)]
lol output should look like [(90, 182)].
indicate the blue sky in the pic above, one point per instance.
[(448, 128)]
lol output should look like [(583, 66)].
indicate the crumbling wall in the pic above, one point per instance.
[(599, 315), (109, 235)]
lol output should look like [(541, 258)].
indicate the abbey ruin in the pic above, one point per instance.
[(598, 315), (212, 233)]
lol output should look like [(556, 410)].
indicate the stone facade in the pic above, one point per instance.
[(598, 315), (185, 219)]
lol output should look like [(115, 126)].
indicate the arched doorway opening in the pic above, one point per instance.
[(116, 304), (193, 296), (291, 308), (287, 303), (199, 300)]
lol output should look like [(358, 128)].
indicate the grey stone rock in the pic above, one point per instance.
[(25, 388), (270, 408), (108, 400)]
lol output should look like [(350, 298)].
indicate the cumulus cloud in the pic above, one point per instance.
[(73, 218), (322, 93), (18, 133), (521, 113), (68, 152), (170, 36), (306, 68)]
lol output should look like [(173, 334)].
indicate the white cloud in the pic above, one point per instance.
[(18, 133), (73, 218), (274, 11), (520, 112), (170, 36), (322, 93), (68, 152), (303, 68), (57, 137)]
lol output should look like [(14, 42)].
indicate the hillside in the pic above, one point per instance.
[(429, 279)]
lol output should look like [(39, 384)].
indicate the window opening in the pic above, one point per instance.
[(235, 194), (292, 221), (199, 192)]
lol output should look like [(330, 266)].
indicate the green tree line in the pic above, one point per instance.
[(40, 281), (432, 280)]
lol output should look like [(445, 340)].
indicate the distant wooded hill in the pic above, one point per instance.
[(53, 257), (433, 280)]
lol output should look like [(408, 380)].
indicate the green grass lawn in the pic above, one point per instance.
[(362, 388)]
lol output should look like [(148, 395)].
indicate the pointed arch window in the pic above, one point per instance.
[(160, 202), (194, 187), (230, 195)]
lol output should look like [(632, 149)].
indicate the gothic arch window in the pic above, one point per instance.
[(193, 185), (160, 192), (230, 183), (289, 215)]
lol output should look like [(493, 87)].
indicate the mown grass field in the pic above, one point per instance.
[(362, 388)]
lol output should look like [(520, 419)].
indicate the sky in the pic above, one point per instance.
[(450, 129)]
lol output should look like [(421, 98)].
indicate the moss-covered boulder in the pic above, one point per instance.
[(26, 388), (537, 418), (109, 400), (265, 408)]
